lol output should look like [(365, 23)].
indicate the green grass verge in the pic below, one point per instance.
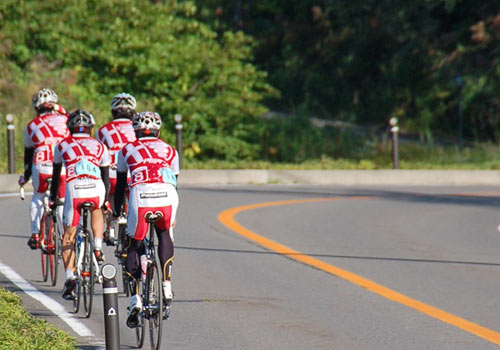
[(21, 331)]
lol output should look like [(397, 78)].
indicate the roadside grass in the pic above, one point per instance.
[(411, 156), (21, 331)]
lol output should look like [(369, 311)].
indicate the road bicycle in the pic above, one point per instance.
[(51, 231), (151, 289), (87, 267)]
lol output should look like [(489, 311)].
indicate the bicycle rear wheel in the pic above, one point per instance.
[(88, 275), (122, 245), (78, 251), (154, 305), (52, 250), (141, 330), (44, 229)]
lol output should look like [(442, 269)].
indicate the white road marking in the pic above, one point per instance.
[(52, 305), (16, 194)]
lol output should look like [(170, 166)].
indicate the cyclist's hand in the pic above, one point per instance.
[(174, 223), (22, 180)]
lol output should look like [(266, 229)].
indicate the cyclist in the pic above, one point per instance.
[(154, 168), (40, 136), (115, 135), (87, 180)]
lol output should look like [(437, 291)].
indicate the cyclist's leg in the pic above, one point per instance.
[(108, 218), (133, 268), (71, 219), (68, 255), (61, 194), (165, 231), (39, 178), (97, 217), (98, 229)]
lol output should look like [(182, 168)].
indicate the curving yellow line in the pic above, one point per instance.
[(227, 218)]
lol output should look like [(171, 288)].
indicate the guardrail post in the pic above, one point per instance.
[(111, 317), (394, 129), (178, 128), (10, 143)]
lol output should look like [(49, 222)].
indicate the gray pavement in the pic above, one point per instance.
[(8, 182)]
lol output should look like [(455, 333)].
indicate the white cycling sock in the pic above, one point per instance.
[(98, 243), (70, 274)]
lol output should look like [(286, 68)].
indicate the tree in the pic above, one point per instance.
[(157, 51)]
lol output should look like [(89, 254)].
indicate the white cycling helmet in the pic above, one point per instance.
[(146, 121), (80, 118), (123, 100), (44, 96)]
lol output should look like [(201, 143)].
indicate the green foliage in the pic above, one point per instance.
[(20, 330), (155, 50), (365, 61)]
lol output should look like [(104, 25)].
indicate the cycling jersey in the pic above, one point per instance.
[(150, 160), (82, 156), (42, 134), (115, 134)]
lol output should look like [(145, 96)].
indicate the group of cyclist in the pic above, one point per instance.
[(126, 158)]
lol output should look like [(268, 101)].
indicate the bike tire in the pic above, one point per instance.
[(76, 301), (52, 248), (59, 231), (122, 242), (140, 331), (154, 296), (44, 226), (88, 276)]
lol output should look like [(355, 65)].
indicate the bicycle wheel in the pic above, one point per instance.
[(44, 228), (122, 243), (76, 301), (88, 275), (52, 249), (154, 305), (141, 330), (58, 232)]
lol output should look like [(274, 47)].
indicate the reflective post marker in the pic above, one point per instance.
[(111, 317)]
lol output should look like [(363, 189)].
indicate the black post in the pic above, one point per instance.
[(460, 85), (394, 129), (10, 143), (178, 128), (111, 318)]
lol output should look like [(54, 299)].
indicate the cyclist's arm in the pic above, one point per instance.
[(56, 178), (28, 162), (121, 185), (176, 168), (105, 179), (56, 174)]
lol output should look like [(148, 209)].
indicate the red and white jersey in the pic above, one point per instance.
[(150, 160), (82, 156), (43, 133), (116, 134)]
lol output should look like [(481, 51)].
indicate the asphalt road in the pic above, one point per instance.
[(343, 268)]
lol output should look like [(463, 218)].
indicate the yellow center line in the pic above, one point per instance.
[(227, 218)]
